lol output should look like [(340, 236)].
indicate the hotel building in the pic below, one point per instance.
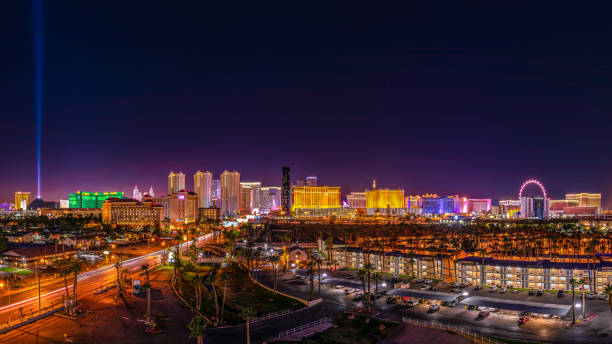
[(230, 192), (385, 202), (586, 200), (84, 199), (132, 213), (202, 185), (22, 200), (176, 182), (356, 200)]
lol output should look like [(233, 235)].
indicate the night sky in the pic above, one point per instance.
[(430, 99)]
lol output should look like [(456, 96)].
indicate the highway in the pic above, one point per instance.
[(26, 301)]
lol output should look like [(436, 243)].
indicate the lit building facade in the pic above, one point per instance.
[(216, 193), (534, 208), (22, 200), (250, 197), (84, 199), (183, 207), (316, 197), (586, 199), (230, 192), (207, 214), (202, 185), (356, 200), (270, 198), (481, 206), (385, 202), (176, 182), (132, 213)]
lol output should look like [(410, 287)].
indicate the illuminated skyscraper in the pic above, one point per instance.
[(311, 181), (202, 185), (250, 197), (286, 190), (534, 207), (176, 182), (84, 199), (270, 198), (586, 200), (230, 191), (316, 197), (385, 202), (151, 193), (22, 200)]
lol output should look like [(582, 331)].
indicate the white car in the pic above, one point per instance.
[(493, 288), (591, 296), (601, 295), (503, 290), (434, 307), (428, 281)]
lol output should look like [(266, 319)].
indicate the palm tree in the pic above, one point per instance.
[(65, 272), (362, 275), (274, 259), (376, 277), (573, 283), (197, 284), (197, 327), (582, 282), (225, 278), (76, 269), (310, 272), (178, 264), (147, 287), (212, 279), (247, 313)]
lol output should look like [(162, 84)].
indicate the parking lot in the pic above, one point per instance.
[(495, 322)]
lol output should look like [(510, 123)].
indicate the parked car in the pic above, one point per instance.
[(410, 303), (560, 293), (601, 295), (546, 316), (492, 309), (428, 281), (390, 300), (591, 296), (478, 287), (434, 307), (522, 320), (539, 292), (503, 290), (456, 284), (493, 288), (483, 314), (532, 292), (472, 307), (464, 285), (516, 291), (419, 280)]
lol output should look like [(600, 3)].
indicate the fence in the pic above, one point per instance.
[(470, 335), (303, 327), (271, 316)]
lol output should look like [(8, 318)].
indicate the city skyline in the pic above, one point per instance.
[(417, 97)]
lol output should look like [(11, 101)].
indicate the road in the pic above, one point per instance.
[(25, 302)]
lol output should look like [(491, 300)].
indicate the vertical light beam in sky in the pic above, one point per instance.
[(38, 82)]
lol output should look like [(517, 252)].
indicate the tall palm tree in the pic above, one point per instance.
[(197, 328), (246, 314), (362, 273), (147, 287), (310, 272), (65, 272), (573, 283), (212, 279), (274, 259), (376, 277), (225, 278), (581, 282), (76, 269)]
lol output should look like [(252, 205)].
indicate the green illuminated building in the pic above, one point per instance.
[(82, 199)]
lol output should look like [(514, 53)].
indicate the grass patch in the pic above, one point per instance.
[(16, 271), (241, 292), (353, 329)]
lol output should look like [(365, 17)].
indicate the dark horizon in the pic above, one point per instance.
[(469, 101)]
